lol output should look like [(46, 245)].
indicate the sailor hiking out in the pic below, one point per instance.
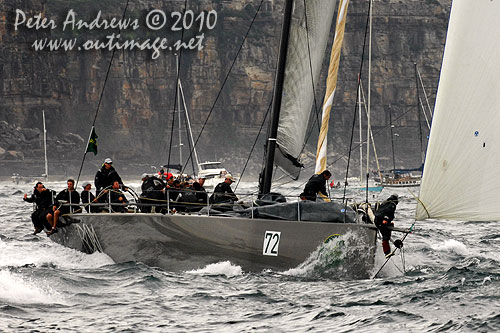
[(384, 216), (46, 213)]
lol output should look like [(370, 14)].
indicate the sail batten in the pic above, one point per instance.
[(459, 179), (309, 31)]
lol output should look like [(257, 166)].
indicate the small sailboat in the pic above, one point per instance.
[(17, 178), (212, 171), (408, 177), (458, 180)]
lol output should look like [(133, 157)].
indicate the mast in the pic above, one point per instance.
[(360, 136), (45, 148), (368, 130), (267, 173), (392, 142), (426, 99), (371, 135), (179, 108), (422, 155), (188, 123)]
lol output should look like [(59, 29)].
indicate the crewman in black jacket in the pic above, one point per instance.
[(201, 193), (46, 213), (88, 198), (153, 193), (117, 198), (105, 176), (384, 216), (223, 191), (70, 196), (316, 185)]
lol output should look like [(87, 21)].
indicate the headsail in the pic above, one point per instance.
[(310, 28), (331, 85), (460, 180)]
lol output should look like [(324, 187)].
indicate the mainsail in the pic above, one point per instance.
[(459, 180), (331, 84), (309, 31)]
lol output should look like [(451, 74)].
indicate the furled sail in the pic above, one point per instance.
[(331, 85), (310, 27), (460, 180)]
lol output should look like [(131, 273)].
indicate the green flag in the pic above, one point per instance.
[(92, 145)]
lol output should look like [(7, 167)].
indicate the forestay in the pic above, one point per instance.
[(460, 179), (310, 25)]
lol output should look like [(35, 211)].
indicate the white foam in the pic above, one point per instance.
[(220, 268), (453, 246), (15, 288), (486, 280), (391, 269), (43, 253)]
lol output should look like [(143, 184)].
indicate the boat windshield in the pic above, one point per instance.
[(214, 165)]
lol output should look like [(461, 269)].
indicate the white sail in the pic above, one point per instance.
[(309, 33), (460, 180)]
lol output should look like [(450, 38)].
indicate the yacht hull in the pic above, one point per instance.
[(185, 242)]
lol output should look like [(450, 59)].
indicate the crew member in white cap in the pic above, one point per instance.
[(88, 197), (223, 193), (106, 175)]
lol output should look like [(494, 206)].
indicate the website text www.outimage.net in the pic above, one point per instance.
[(124, 36)]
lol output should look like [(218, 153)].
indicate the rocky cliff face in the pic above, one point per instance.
[(134, 122)]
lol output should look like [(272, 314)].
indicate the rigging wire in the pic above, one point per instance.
[(340, 157), (223, 84), (100, 98), (254, 143), (357, 97), (189, 142)]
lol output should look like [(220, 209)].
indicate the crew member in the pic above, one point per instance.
[(223, 192), (316, 186), (46, 213), (88, 197), (384, 216), (69, 195), (116, 196), (201, 193), (105, 176), (153, 192)]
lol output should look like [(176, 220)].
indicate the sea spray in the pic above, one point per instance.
[(19, 289), (336, 259), (220, 268)]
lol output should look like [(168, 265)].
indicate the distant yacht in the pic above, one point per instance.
[(213, 172)]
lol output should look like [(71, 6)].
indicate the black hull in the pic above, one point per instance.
[(185, 242)]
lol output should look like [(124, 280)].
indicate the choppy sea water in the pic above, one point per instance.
[(448, 281)]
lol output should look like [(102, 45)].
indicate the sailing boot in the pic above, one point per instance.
[(387, 248)]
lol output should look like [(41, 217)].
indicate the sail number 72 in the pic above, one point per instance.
[(271, 243)]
